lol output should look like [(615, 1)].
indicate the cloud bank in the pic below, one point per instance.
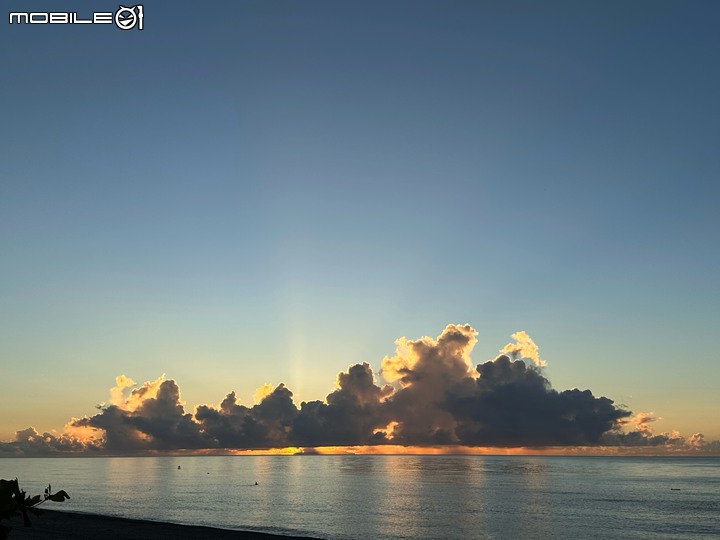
[(433, 397)]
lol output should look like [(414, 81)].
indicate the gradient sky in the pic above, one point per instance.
[(255, 192)]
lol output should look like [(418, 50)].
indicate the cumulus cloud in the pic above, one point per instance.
[(349, 415), (117, 392), (640, 432), (427, 370), (642, 420), (697, 441), (435, 397), (262, 392), (524, 347), (511, 404), (30, 443), (151, 418)]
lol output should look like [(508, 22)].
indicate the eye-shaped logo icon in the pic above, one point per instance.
[(126, 18)]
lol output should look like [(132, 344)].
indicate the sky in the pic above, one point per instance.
[(252, 192)]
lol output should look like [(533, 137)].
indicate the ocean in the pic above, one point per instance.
[(396, 497)]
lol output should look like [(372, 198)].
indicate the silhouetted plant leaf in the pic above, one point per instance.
[(60, 496), (14, 501), (8, 492)]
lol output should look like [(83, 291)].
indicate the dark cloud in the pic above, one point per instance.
[(158, 422), (30, 443), (511, 404), (266, 425), (164, 420), (351, 415), (119, 433), (643, 438), (347, 417), (437, 398)]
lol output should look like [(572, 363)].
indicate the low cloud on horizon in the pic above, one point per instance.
[(433, 397)]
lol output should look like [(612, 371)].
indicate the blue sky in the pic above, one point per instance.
[(271, 191)]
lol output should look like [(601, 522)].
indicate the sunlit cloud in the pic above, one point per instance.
[(453, 354), (262, 392), (437, 402), (83, 434), (118, 392), (138, 396), (524, 347), (642, 420)]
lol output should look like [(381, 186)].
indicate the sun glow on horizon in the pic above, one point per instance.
[(447, 450)]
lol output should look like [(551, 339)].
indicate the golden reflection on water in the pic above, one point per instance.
[(534, 479), (420, 488)]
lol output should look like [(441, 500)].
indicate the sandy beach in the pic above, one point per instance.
[(77, 526)]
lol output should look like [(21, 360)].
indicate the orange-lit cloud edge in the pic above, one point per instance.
[(689, 448), (451, 450)]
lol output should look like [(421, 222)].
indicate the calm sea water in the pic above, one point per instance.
[(396, 497)]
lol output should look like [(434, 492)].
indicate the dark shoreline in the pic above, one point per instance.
[(58, 525)]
